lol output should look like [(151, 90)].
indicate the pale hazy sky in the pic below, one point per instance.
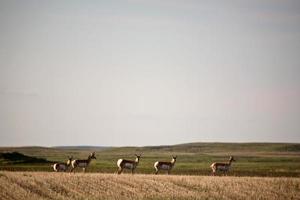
[(137, 72)]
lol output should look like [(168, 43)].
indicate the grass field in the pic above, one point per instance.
[(51, 185), (262, 171), (253, 159)]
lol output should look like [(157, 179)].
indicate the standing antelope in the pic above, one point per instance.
[(128, 164), (82, 163), (62, 167), (159, 165), (224, 167)]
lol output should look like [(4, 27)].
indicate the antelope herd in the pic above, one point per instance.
[(132, 164)]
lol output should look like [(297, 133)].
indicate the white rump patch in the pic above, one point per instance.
[(54, 167), (119, 162), (155, 165)]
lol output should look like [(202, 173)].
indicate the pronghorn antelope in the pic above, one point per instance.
[(62, 167), (128, 164), (82, 163), (223, 167), (159, 165)]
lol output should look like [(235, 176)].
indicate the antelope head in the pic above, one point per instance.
[(92, 156), (137, 157), (231, 159), (174, 159)]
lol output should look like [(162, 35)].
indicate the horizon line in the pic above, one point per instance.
[(118, 146)]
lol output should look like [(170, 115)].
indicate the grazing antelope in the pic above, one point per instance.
[(128, 164), (224, 167), (82, 163), (165, 165), (62, 167)]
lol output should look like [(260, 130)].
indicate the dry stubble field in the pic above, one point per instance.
[(51, 185)]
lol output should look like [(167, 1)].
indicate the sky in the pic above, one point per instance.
[(138, 72)]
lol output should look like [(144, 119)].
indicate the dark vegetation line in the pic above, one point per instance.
[(19, 158)]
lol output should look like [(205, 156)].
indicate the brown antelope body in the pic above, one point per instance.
[(168, 166), (62, 167), (223, 167), (128, 164), (82, 163)]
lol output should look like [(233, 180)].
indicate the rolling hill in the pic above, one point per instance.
[(253, 159)]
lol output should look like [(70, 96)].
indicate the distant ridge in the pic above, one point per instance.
[(82, 147), (200, 147)]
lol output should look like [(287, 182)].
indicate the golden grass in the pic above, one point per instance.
[(47, 185)]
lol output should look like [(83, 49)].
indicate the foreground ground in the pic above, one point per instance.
[(51, 185)]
